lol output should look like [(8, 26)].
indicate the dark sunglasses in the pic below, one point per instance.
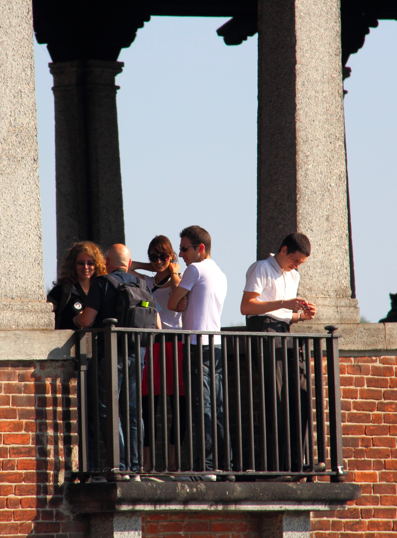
[(83, 263), (162, 257), (185, 249)]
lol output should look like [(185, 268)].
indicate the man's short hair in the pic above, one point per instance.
[(197, 235), (296, 242)]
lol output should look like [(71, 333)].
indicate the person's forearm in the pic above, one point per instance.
[(146, 266), (174, 280), (255, 307)]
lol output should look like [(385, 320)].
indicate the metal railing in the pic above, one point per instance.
[(270, 429)]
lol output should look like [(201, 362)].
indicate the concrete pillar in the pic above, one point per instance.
[(115, 525), (89, 200), (22, 298), (301, 154)]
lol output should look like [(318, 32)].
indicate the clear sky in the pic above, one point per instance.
[(187, 109)]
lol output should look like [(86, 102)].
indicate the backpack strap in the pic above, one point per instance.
[(141, 283), (66, 293)]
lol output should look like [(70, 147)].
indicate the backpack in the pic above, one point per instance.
[(135, 308)]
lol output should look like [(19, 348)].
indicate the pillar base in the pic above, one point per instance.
[(19, 314)]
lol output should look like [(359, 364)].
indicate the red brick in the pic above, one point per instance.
[(196, 526), (379, 382), (391, 464), (390, 394), (377, 430), (359, 381), (360, 405), (5, 515), (23, 452), (16, 439), (28, 376), (8, 375), (359, 369), (355, 526), (385, 513), (24, 515), (378, 453), (6, 490), (46, 527), (380, 525), (223, 526), (381, 489), (368, 500), (366, 360), (10, 477), (384, 441), (9, 465), (371, 394), (359, 417), (388, 500), (347, 381), (365, 441), (351, 513), (378, 465), (366, 513), (351, 442), (365, 476), (361, 465), (11, 426), (35, 388), (387, 407), (23, 401), (350, 394), (387, 476), (382, 371), (13, 503), (48, 515), (9, 414), (8, 529)]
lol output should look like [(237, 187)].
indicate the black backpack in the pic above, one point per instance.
[(136, 307)]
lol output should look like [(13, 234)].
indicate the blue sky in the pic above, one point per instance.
[(187, 121)]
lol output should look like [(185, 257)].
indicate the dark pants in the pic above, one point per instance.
[(182, 417), (195, 365), (269, 325)]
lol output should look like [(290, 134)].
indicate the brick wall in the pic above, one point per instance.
[(369, 404), (38, 436)]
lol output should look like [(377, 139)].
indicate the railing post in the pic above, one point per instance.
[(81, 348), (112, 397), (335, 417)]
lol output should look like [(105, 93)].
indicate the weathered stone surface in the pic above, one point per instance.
[(301, 154), (36, 345), (89, 198), (21, 256)]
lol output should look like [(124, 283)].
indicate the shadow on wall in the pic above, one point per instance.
[(392, 314)]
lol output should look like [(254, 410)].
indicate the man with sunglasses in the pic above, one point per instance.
[(206, 285)]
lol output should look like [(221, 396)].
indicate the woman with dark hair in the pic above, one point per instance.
[(84, 262), (163, 262)]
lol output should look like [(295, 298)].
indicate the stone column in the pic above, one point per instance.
[(22, 298), (89, 197), (301, 154)]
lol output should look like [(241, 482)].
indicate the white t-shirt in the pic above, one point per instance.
[(207, 287), (273, 284), (169, 318)]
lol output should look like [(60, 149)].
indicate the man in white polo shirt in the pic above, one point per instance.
[(270, 303), (206, 285)]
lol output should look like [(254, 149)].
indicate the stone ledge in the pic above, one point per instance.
[(271, 496), (36, 345)]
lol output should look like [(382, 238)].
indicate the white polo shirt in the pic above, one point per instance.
[(207, 286), (273, 284)]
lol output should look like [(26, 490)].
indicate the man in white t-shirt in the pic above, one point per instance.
[(271, 304), (206, 285)]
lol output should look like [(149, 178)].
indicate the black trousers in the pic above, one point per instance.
[(273, 367)]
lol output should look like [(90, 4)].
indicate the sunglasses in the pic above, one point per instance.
[(185, 249), (83, 263), (162, 257)]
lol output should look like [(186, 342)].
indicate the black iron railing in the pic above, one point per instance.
[(270, 429)]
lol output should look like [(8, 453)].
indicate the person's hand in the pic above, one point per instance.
[(174, 267), (182, 305), (295, 304), (309, 311)]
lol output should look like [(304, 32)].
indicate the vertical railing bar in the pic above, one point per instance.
[(126, 404), (296, 405), (188, 394), (151, 425), (138, 370), (239, 456), (334, 399), (176, 410), (213, 405), (81, 351), (201, 423), (226, 423), (286, 406), (251, 454), (95, 398), (320, 406), (112, 400), (273, 410), (163, 398), (262, 398), (310, 434)]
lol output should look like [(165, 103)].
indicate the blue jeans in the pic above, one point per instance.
[(132, 407), (194, 349)]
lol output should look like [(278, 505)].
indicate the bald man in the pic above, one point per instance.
[(101, 304)]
